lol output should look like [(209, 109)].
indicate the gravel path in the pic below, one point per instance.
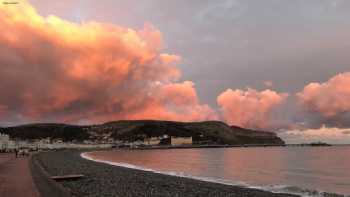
[(106, 180)]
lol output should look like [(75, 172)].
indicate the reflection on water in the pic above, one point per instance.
[(318, 168)]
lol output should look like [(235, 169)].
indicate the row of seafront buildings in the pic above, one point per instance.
[(105, 136), (164, 140), (7, 144)]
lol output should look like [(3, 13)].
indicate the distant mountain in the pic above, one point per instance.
[(207, 132)]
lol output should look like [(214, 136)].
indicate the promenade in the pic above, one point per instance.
[(15, 177)]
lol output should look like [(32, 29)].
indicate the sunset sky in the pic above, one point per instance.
[(276, 65)]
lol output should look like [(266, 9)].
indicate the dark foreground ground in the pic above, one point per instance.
[(106, 180)]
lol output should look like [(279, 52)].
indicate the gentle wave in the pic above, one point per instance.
[(271, 188)]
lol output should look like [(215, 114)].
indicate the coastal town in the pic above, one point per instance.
[(8, 145), (141, 134)]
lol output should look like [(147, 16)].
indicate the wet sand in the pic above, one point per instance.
[(15, 177), (106, 180)]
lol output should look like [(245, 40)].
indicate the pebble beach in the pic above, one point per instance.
[(107, 180)]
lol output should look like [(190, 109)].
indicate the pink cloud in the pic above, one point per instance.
[(330, 98), (64, 71), (249, 108), (268, 84)]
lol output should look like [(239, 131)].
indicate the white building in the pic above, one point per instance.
[(178, 141), (152, 141), (4, 141)]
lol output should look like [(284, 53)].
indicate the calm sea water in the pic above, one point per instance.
[(306, 170)]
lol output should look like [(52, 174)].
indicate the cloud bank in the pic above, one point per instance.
[(324, 133), (55, 70), (52, 69), (249, 108), (330, 98)]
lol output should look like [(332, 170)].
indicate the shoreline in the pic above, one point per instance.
[(107, 180), (275, 189), (196, 178), (228, 146)]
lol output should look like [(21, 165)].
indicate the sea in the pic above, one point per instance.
[(306, 171)]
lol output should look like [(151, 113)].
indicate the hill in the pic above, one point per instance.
[(209, 132), (40, 131)]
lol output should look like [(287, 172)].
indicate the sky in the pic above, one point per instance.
[(275, 65)]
